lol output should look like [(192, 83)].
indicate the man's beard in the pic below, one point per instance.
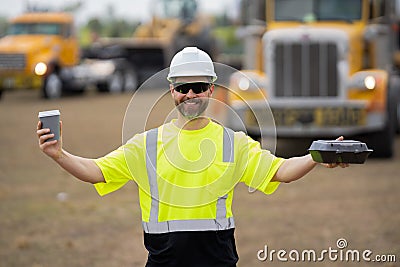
[(192, 108)]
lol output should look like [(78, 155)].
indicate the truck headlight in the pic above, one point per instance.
[(40, 69), (247, 81), (370, 82), (244, 84), (364, 80)]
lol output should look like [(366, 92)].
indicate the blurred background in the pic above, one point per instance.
[(325, 67)]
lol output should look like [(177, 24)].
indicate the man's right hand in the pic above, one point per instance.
[(82, 168), (52, 148)]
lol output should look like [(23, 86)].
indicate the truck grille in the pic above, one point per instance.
[(12, 61), (306, 69)]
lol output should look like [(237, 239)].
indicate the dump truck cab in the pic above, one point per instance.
[(325, 69), (36, 45)]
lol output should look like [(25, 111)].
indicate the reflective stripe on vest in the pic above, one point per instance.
[(154, 226)]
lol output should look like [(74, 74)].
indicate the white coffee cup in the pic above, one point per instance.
[(51, 119)]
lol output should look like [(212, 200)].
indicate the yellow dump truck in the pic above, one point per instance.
[(35, 45), (324, 68), (41, 51)]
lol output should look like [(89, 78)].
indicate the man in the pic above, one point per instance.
[(186, 171)]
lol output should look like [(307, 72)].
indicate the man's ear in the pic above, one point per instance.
[(211, 89), (171, 89)]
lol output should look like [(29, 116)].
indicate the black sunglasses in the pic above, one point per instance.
[(197, 87)]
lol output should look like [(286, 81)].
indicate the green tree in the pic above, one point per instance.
[(95, 25), (106, 27)]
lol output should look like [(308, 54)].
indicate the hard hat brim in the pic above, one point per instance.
[(194, 69)]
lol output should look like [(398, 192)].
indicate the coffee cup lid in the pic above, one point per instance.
[(49, 113)]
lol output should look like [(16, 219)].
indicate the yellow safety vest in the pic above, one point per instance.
[(220, 222), (180, 194)]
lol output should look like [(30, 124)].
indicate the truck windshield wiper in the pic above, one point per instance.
[(348, 20), (288, 18)]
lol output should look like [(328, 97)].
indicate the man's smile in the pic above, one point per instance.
[(192, 101)]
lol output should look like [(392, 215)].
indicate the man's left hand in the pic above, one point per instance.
[(334, 165)]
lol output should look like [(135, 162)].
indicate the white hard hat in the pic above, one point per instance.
[(191, 61)]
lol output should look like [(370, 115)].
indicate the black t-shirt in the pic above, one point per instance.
[(199, 248)]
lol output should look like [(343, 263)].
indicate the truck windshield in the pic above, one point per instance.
[(35, 28), (314, 10), (184, 9)]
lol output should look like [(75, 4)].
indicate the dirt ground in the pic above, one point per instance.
[(48, 218)]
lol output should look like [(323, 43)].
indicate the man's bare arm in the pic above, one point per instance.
[(295, 168), (82, 168)]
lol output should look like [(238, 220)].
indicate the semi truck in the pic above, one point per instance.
[(36, 46), (324, 68), (41, 51)]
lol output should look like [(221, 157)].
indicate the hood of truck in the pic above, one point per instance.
[(353, 30), (27, 44), (347, 35)]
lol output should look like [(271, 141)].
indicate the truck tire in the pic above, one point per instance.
[(1, 93), (382, 142), (52, 86), (115, 83), (395, 83), (131, 80), (398, 115)]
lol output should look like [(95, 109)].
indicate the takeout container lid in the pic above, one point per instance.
[(333, 151)]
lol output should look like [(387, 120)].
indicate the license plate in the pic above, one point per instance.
[(322, 117), (340, 116)]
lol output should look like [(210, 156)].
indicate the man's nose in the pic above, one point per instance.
[(190, 94)]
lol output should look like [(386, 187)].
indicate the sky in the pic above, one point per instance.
[(130, 9)]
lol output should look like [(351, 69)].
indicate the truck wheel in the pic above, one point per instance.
[(395, 82), (131, 81), (382, 142), (1, 93), (52, 87), (115, 83), (398, 115)]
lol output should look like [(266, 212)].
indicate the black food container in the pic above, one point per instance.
[(346, 151)]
